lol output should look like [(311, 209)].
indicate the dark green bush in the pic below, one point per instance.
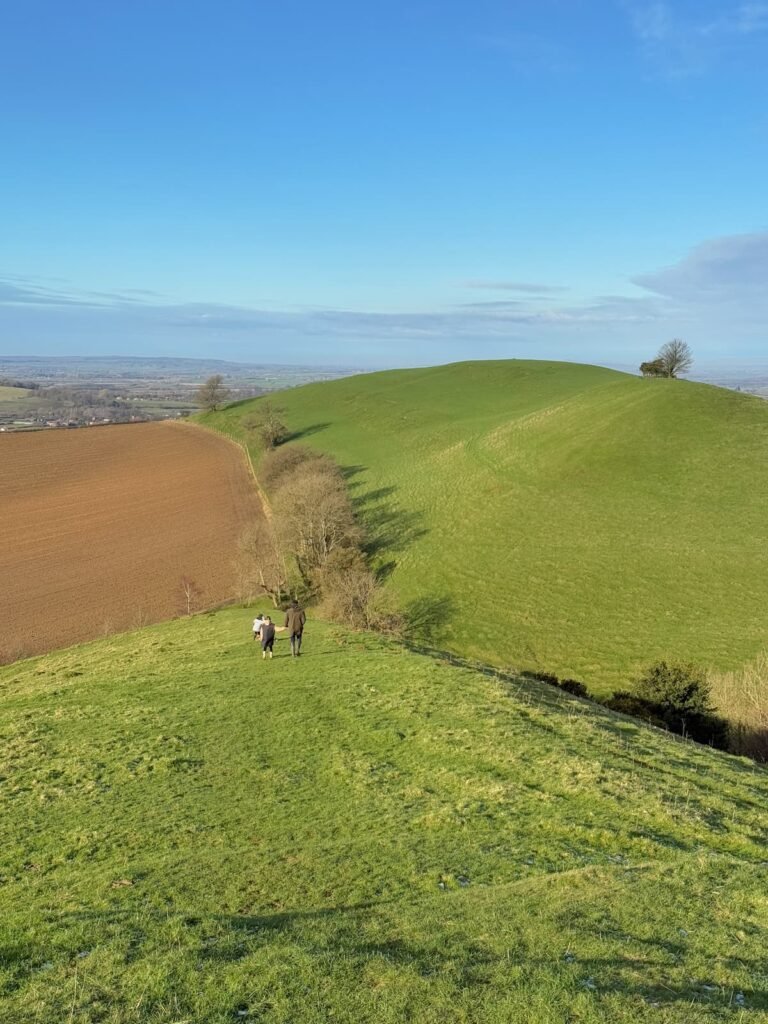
[(627, 703), (676, 697), (575, 687), (541, 677), (679, 688)]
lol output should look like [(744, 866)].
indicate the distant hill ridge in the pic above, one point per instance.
[(557, 516)]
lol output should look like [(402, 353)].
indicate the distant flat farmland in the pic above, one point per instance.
[(99, 526)]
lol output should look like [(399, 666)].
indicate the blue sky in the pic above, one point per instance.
[(384, 184)]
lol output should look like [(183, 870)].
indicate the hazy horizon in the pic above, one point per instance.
[(398, 186)]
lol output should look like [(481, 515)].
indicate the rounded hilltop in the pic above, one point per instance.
[(562, 516)]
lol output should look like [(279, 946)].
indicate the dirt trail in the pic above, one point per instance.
[(98, 526)]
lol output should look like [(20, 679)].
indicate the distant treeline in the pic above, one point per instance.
[(11, 382)]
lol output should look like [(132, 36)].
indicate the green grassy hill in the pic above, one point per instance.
[(557, 516), (363, 835)]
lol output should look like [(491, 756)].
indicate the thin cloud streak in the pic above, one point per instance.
[(681, 46), (517, 286)]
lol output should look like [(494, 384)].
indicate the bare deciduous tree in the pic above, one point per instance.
[(676, 357), (264, 564), (349, 588), (280, 464), (267, 424), (190, 594), (315, 518), (212, 393)]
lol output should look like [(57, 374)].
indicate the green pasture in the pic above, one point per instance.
[(556, 516), (192, 836), (12, 396)]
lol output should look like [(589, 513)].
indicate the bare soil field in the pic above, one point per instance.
[(98, 528)]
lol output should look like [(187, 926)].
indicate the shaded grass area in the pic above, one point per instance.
[(579, 521), (364, 834)]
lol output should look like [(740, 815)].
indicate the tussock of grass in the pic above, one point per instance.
[(362, 835), (559, 517)]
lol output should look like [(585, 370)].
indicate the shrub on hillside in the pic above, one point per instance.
[(266, 424), (627, 703), (352, 594), (674, 696), (676, 687), (574, 687), (541, 677), (279, 464)]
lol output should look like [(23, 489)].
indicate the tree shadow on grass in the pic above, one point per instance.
[(389, 529), (639, 969), (308, 431), (427, 619)]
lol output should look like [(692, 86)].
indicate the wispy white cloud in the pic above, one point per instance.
[(529, 288), (31, 291), (682, 42)]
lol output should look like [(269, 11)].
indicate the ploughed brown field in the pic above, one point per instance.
[(99, 527)]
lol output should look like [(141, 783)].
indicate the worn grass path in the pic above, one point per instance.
[(363, 835), (555, 516)]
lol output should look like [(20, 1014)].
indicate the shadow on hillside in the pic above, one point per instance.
[(749, 741), (341, 933), (313, 428), (427, 619), (389, 528)]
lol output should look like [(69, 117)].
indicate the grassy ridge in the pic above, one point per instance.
[(558, 516), (364, 835)]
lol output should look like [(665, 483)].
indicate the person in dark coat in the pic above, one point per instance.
[(294, 623), (267, 635)]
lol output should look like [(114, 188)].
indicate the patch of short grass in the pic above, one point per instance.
[(361, 835)]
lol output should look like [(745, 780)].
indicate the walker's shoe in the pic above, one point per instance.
[(270, 655), (263, 654)]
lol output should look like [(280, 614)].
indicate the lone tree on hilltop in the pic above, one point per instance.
[(672, 359), (267, 423), (676, 356), (212, 393)]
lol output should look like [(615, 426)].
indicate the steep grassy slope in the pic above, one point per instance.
[(558, 516), (363, 835)]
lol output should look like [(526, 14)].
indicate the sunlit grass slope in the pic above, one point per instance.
[(362, 835), (559, 516)]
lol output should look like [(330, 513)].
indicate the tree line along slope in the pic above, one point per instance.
[(555, 516)]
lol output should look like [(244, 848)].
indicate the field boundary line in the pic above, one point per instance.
[(246, 454)]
